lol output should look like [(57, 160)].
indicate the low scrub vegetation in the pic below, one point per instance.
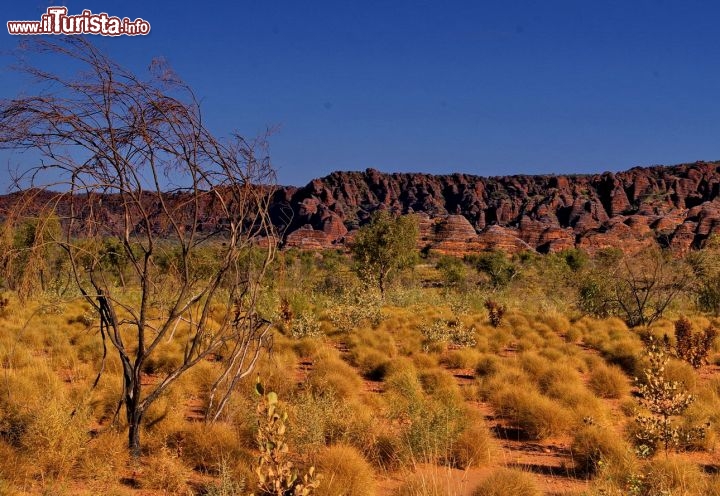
[(434, 385)]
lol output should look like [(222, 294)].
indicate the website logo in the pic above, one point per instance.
[(57, 21)]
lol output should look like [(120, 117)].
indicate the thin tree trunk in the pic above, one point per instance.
[(134, 418), (134, 414)]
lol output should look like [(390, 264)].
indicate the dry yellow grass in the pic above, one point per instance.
[(345, 472), (507, 482), (536, 415), (531, 370), (608, 382)]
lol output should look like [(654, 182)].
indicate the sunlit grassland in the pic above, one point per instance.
[(378, 404)]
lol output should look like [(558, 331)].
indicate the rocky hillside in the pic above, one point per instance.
[(676, 206)]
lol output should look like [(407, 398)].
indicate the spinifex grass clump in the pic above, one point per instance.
[(507, 482), (346, 472), (608, 381), (595, 446)]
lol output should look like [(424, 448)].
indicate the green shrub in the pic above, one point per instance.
[(665, 399), (305, 325), (453, 270), (448, 331), (353, 308)]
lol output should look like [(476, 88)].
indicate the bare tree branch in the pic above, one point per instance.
[(135, 166)]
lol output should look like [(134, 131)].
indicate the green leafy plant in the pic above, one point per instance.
[(665, 400), (275, 472), (496, 266), (352, 308), (454, 272), (305, 325), (452, 331), (384, 246)]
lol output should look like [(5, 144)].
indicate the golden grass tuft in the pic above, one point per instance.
[(465, 358), (488, 365), (507, 482), (345, 472), (682, 372), (421, 485), (537, 416), (557, 374), (673, 476), (104, 457), (330, 373), (203, 447), (164, 471), (439, 383), (371, 363), (608, 382), (594, 445), (474, 446)]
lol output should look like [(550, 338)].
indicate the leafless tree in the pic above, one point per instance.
[(637, 287), (141, 179), (646, 284)]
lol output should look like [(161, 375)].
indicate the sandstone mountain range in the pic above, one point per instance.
[(673, 206)]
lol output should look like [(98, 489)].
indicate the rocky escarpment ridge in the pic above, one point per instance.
[(674, 206)]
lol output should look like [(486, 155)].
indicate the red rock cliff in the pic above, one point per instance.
[(676, 206)]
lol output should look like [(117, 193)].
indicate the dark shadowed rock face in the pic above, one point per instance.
[(676, 206)]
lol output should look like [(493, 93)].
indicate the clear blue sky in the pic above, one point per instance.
[(481, 87)]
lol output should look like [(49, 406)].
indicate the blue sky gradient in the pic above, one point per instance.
[(488, 88)]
